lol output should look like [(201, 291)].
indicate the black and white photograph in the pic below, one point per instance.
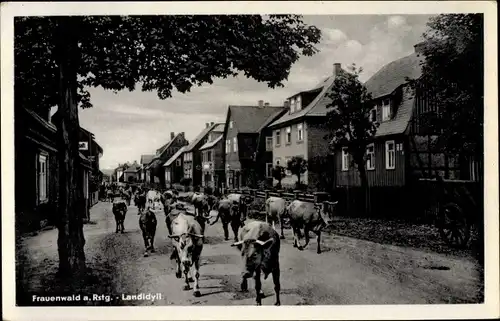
[(201, 157)]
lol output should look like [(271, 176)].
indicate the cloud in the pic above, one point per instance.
[(394, 22)]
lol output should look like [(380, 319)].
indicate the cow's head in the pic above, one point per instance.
[(326, 211), (252, 253), (185, 245)]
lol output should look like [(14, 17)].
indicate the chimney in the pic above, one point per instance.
[(172, 135), (261, 103), (182, 134), (266, 104), (212, 123), (336, 69), (207, 125), (286, 104), (419, 47)]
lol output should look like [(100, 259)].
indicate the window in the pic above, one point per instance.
[(300, 132), (288, 135), (299, 104), (278, 137), (373, 114), (209, 156), (370, 157), (167, 175), (235, 144), (228, 146), (386, 110), (178, 162), (292, 105), (287, 159), (269, 143), (231, 124), (345, 159), (390, 155), (42, 178), (269, 169)]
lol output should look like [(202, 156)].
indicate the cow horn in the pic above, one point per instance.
[(261, 243), (174, 236), (237, 243)]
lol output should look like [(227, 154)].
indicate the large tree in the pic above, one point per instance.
[(58, 58), (453, 71), (349, 121)]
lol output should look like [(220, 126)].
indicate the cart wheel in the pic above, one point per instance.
[(453, 226)]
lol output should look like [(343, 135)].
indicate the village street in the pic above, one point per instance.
[(349, 271)]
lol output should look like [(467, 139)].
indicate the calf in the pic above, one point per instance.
[(260, 246), (119, 211), (147, 223), (188, 244), (229, 214), (309, 216), (276, 209)]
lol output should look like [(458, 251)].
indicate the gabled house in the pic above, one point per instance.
[(241, 135), (192, 155), (212, 158), (93, 152), (300, 132), (131, 174), (173, 168), (163, 154), (402, 150), (145, 175)]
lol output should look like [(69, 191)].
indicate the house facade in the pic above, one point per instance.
[(132, 173), (300, 131), (145, 175), (212, 158), (192, 157), (174, 168), (37, 169), (241, 135), (163, 154), (93, 152), (402, 150)]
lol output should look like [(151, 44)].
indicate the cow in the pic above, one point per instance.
[(127, 196), (152, 198), (119, 211), (229, 214), (147, 223), (260, 248), (201, 206), (110, 195), (170, 213), (188, 244), (276, 210), (140, 202), (242, 203), (309, 216)]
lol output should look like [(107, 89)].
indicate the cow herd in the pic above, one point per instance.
[(258, 241)]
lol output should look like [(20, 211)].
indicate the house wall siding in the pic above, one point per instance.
[(317, 146), (231, 158), (294, 148), (380, 176)]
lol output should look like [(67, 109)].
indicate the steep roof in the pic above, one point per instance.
[(248, 119), (219, 128), (386, 81), (200, 136), (317, 107), (174, 156), (393, 75), (271, 118), (211, 144), (133, 168), (146, 159)]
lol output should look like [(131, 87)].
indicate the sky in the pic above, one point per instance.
[(129, 124)]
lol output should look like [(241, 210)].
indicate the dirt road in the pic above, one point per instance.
[(349, 271)]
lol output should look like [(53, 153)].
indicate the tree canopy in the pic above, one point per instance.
[(453, 69), (297, 166), (160, 53)]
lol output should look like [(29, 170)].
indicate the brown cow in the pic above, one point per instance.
[(119, 211), (260, 247), (308, 216), (229, 214), (147, 223)]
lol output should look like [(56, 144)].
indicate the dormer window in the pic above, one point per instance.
[(298, 102), (292, 105), (386, 109), (373, 114)]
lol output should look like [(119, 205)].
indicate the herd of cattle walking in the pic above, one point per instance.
[(258, 241)]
